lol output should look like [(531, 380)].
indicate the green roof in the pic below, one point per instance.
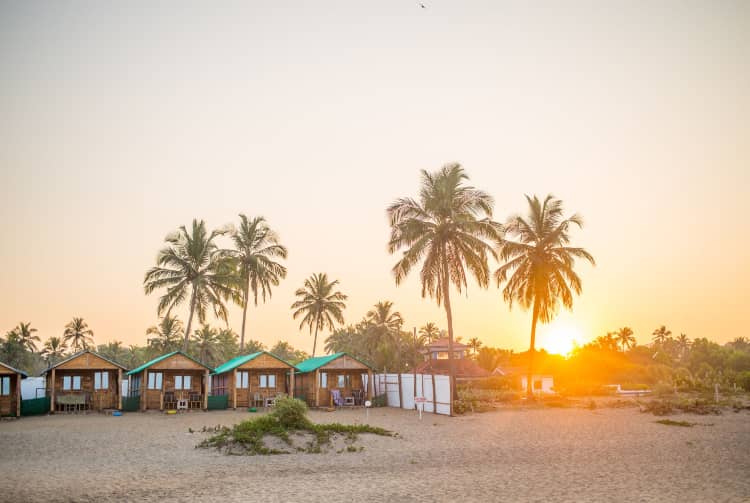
[(320, 361), (241, 360), (236, 362), (24, 374), (164, 357)]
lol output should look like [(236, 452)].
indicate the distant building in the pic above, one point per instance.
[(436, 361), (543, 383)]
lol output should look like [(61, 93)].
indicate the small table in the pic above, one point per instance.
[(182, 404), (349, 400)]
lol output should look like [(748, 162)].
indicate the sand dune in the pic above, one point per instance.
[(507, 455)]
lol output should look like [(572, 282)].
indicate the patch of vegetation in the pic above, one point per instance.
[(288, 417), (669, 422), (700, 406)]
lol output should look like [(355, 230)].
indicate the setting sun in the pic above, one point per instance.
[(560, 337)]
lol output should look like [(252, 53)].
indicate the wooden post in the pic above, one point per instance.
[(119, 389), (144, 389), (400, 392), (291, 383), (234, 390), (370, 385), (205, 390), (434, 398), (18, 395), (52, 396), (316, 386)]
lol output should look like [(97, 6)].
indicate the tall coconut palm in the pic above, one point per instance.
[(206, 342), (538, 264), (449, 231), (475, 344), (256, 248), (54, 349), (384, 330), (683, 343), (27, 337), (319, 305), (78, 335), (661, 335), (430, 332), (625, 338), (167, 335), (191, 267)]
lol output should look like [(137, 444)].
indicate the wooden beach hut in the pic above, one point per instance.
[(10, 390), (84, 381), (319, 379), (171, 381), (253, 380)]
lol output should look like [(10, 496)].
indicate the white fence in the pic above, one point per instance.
[(400, 392)]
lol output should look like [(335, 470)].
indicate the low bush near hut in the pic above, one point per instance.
[(288, 423)]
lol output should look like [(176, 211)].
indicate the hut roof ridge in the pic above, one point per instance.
[(164, 357)]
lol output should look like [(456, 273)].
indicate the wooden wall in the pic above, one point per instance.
[(8, 404)]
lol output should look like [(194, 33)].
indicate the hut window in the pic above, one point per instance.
[(101, 380), (268, 381), (340, 381), (71, 383), (181, 382), (5, 391), (324, 379), (243, 379), (154, 380)]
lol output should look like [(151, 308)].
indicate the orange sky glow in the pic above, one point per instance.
[(121, 123)]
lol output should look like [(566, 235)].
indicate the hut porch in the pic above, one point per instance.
[(253, 380), (86, 381)]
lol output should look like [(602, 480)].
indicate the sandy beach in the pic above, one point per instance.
[(505, 455)]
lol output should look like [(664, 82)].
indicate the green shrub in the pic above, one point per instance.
[(743, 380), (380, 401), (291, 413)]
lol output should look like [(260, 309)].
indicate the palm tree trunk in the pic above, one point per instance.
[(529, 377), (244, 316), (451, 365), (315, 339), (189, 323)]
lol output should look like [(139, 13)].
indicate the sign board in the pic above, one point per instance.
[(420, 399)]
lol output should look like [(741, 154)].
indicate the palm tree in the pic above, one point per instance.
[(192, 266), (257, 247), (54, 349), (447, 230), (625, 338), (683, 343), (475, 344), (27, 337), (384, 330), (661, 335), (319, 305), (167, 334), (206, 340), (430, 332), (78, 334), (538, 264)]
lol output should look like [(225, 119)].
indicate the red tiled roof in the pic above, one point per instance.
[(443, 344), (464, 368)]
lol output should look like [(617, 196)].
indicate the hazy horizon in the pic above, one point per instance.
[(123, 122)]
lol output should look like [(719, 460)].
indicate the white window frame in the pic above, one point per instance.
[(5, 386), (324, 380), (185, 382), (71, 383), (272, 381), (243, 379), (156, 381), (101, 380)]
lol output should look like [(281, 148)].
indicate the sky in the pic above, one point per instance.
[(122, 121)]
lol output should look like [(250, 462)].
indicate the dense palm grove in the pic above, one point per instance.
[(447, 234)]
